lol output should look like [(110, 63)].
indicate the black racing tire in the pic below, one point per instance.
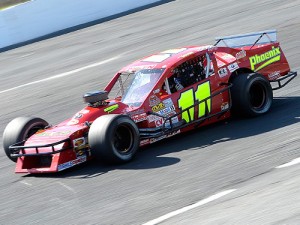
[(251, 95), (114, 139), (20, 129)]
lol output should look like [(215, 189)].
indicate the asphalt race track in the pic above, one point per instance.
[(48, 79)]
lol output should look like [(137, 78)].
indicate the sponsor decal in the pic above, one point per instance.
[(152, 140), (166, 110), (266, 58), (156, 91), (54, 133), (157, 58), (186, 55), (111, 108), (136, 112), (144, 142), (74, 162), (222, 72), (168, 102), (152, 118), (84, 111), (159, 122), (158, 107), (73, 122), (174, 51), (241, 54), (78, 116), (139, 117), (224, 106), (274, 75), (154, 100), (232, 67), (79, 143)]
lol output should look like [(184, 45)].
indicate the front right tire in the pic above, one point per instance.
[(114, 138)]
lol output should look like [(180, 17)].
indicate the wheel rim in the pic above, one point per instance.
[(123, 139), (258, 96)]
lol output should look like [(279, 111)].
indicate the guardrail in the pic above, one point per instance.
[(39, 18)]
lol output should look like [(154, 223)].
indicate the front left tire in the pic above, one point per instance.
[(20, 129)]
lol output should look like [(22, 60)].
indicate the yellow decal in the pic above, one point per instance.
[(268, 58), (203, 92), (189, 98), (158, 107), (111, 108)]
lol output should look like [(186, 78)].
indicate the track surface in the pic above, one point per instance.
[(238, 154)]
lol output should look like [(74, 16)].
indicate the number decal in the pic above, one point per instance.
[(187, 99), (203, 92)]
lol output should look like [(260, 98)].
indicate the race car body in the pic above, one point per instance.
[(154, 98)]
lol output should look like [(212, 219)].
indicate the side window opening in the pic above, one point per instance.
[(188, 73)]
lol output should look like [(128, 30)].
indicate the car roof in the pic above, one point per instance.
[(164, 59)]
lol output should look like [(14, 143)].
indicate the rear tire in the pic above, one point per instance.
[(20, 129), (251, 95), (114, 138)]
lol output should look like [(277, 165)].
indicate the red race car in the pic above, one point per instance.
[(154, 98)]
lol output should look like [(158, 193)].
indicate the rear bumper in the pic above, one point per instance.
[(282, 81)]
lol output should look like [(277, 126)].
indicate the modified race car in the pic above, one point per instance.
[(154, 98)]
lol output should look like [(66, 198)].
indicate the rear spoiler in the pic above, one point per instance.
[(249, 39)]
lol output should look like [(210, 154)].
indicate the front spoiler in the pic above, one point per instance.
[(47, 158)]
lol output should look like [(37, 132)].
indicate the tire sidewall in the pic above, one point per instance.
[(19, 129), (101, 136), (123, 121), (241, 102)]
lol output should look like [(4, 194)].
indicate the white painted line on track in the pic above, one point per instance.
[(67, 187), (61, 74), (187, 208), (291, 163), (26, 183)]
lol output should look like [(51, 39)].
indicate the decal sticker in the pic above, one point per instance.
[(111, 108), (74, 162), (224, 106), (240, 54), (136, 112), (186, 55), (139, 118), (160, 122), (274, 75), (54, 133), (174, 51), (144, 142), (189, 98), (156, 91), (152, 140), (166, 111), (157, 58), (222, 72), (158, 107), (168, 102), (79, 143), (78, 116), (232, 67), (266, 58), (84, 111), (73, 122), (153, 118), (154, 100)]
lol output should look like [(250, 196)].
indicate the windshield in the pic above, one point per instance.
[(134, 87)]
